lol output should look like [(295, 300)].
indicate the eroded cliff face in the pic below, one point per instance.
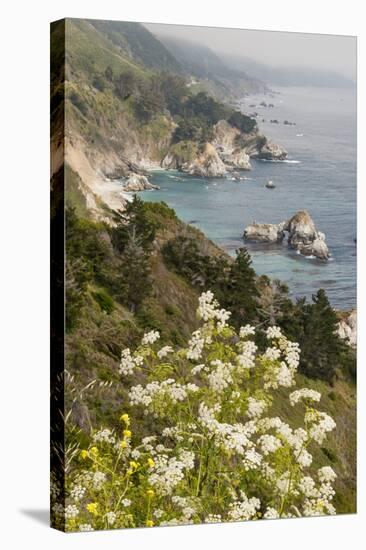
[(229, 150)]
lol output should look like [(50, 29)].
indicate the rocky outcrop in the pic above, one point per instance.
[(270, 151), (203, 162), (138, 182), (347, 329), (302, 235), (206, 164), (264, 233)]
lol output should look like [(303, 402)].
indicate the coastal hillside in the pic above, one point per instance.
[(210, 72), (128, 107), (134, 267)]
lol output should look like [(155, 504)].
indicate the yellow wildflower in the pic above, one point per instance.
[(150, 493), (84, 454), (149, 523), (125, 418), (92, 507), (123, 444), (94, 450), (150, 463), (134, 465), (127, 433)]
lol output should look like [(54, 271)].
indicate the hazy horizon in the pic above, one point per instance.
[(277, 49)]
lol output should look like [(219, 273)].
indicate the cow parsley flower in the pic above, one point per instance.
[(304, 394), (150, 337), (247, 330), (164, 351)]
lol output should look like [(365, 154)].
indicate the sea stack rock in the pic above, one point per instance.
[(264, 232), (271, 151), (137, 182), (304, 237)]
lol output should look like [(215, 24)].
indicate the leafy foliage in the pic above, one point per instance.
[(242, 122), (214, 452)]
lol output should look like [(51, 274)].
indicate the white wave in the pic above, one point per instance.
[(299, 135), (286, 161)]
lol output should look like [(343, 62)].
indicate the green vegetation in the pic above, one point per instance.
[(312, 325), (205, 435), (144, 270)]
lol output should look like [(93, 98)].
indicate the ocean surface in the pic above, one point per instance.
[(319, 175)]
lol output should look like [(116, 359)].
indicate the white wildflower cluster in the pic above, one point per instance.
[(195, 346), (168, 389), (99, 479), (319, 498), (104, 436), (273, 333), (321, 424), (85, 527), (208, 310), (246, 357), (269, 443), (163, 352), (281, 372), (231, 437), (271, 513), (198, 368), (214, 437), (326, 474), (256, 407), (77, 492), (220, 376), (244, 509), (129, 362), (247, 330), (111, 518), (150, 338), (213, 518), (303, 395), (71, 511), (168, 472)]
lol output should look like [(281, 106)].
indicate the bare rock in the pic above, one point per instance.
[(270, 151), (138, 182), (264, 232), (206, 164), (347, 329), (304, 237)]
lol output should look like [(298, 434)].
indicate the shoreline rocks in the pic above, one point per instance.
[(136, 183), (270, 151), (230, 149), (264, 232), (302, 235)]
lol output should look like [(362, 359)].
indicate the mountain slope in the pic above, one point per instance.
[(218, 77), (288, 76)]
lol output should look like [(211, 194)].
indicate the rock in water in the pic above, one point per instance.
[(138, 182), (271, 151), (206, 164), (264, 232), (304, 237)]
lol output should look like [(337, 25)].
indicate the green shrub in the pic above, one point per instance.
[(104, 300)]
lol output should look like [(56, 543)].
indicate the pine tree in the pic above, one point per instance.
[(241, 294), (321, 347)]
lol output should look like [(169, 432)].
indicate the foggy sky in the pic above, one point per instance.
[(319, 51)]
